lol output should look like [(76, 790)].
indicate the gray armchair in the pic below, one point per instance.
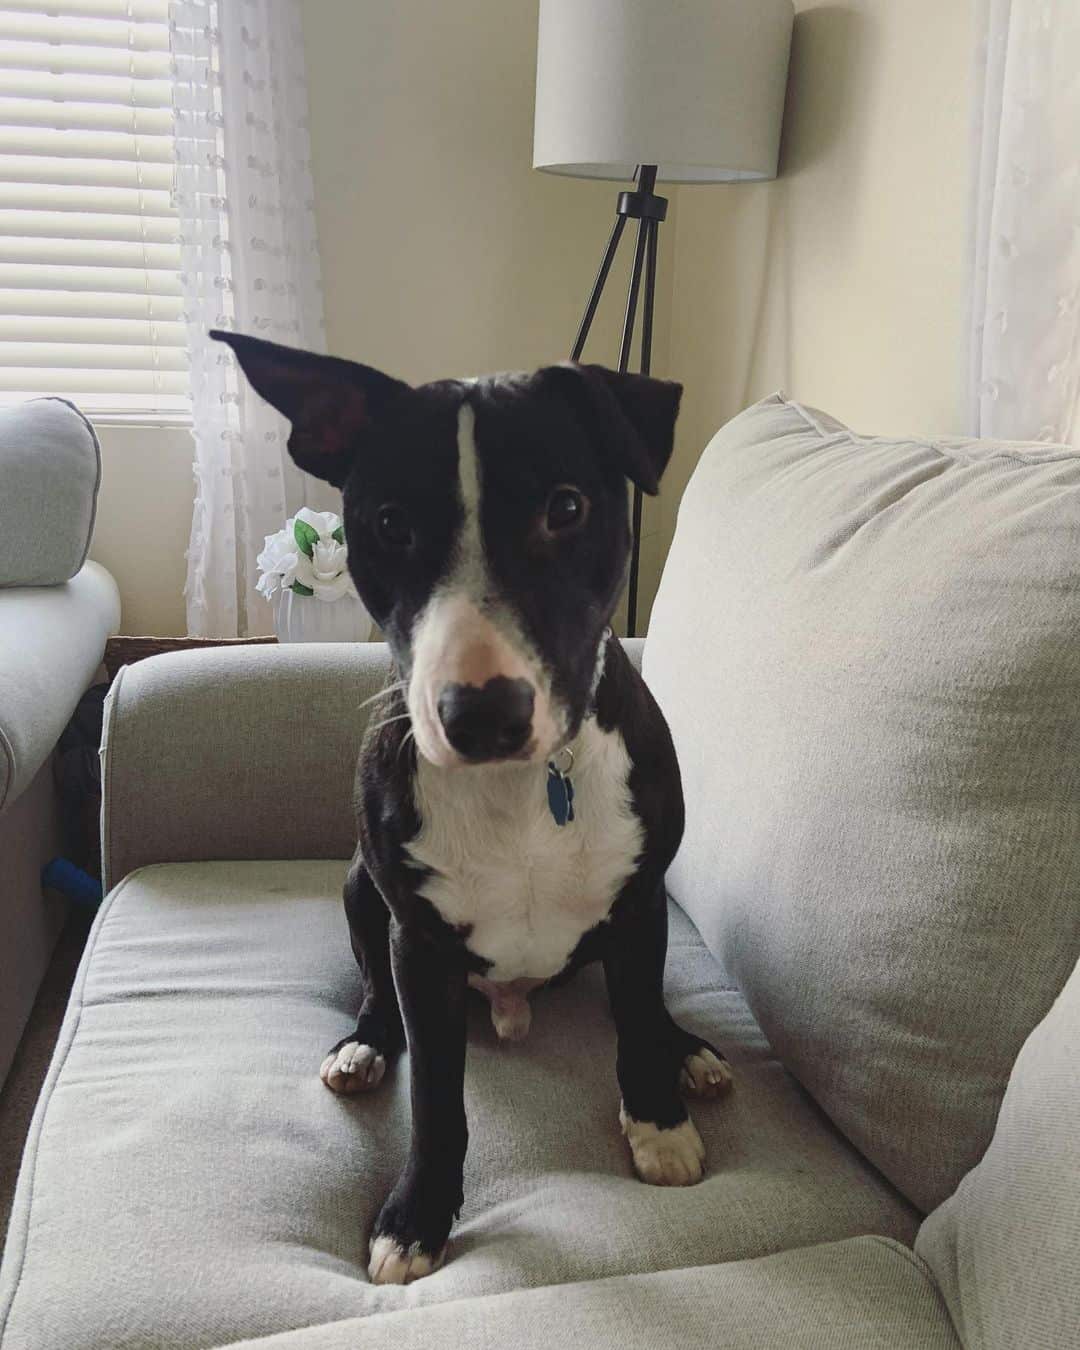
[(56, 611)]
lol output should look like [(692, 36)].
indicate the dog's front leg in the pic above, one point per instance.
[(666, 1147), (409, 1238)]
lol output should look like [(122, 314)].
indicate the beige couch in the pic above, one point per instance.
[(867, 653), (56, 611)]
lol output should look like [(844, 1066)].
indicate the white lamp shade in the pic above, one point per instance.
[(695, 87)]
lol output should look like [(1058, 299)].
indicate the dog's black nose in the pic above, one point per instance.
[(491, 721)]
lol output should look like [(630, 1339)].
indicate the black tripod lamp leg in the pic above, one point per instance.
[(635, 567), (632, 296), (650, 295), (644, 254), (649, 210), (598, 287)]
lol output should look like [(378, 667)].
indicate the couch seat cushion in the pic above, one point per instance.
[(189, 1181), (867, 1293), (52, 639)]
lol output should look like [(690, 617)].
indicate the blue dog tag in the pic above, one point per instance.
[(560, 792)]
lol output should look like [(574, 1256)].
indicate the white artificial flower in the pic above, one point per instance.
[(328, 559), (325, 587), (287, 566), (267, 584), (277, 558), (325, 573), (325, 522), (274, 547)]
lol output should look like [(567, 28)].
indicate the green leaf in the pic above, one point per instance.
[(339, 534), (298, 587), (306, 537)]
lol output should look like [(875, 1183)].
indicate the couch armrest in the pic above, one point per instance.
[(50, 468), (52, 639), (235, 752), (238, 752)]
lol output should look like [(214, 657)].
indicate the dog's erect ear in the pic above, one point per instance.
[(632, 417), (329, 402)]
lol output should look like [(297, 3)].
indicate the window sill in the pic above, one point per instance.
[(151, 421)]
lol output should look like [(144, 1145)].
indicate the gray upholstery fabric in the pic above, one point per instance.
[(635, 650), (190, 730), (867, 650), (50, 468), (52, 639), (189, 1181), (863, 1294), (1006, 1247), (30, 920)]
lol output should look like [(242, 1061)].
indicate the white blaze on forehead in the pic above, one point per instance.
[(464, 635), (470, 546)]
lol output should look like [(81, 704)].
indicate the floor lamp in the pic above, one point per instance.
[(680, 91)]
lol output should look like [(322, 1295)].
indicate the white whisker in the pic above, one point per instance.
[(387, 721), (397, 686)]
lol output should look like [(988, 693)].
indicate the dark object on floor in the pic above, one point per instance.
[(78, 886), (78, 780)]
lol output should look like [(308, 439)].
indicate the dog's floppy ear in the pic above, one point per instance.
[(329, 402), (632, 417)]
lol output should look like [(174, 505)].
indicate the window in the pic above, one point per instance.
[(90, 302)]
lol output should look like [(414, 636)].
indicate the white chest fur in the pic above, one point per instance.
[(498, 862)]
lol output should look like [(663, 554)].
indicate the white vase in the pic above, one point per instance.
[(302, 618)]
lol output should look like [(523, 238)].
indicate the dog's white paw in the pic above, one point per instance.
[(511, 1019), (705, 1074), (391, 1264), (673, 1157), (352, 1067)]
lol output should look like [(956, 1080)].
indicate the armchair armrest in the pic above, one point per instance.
[(50, 467), (237, 752)]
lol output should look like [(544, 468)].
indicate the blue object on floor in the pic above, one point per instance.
[(79, 886)]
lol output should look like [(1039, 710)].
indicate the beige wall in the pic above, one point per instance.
[(843, 281), (444, 253), (143, 521)]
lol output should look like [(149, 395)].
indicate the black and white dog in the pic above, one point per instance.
[(518, 796)]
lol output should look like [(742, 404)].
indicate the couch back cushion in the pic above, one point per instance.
[(868, 653), (1005, 1248), (50, 468)]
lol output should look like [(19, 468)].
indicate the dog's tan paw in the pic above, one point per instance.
[(705, 1074), (352, 1067), (391, 1264), (673, 1157)]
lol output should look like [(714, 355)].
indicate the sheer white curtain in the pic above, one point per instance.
[(1024, 379), (249, 260)]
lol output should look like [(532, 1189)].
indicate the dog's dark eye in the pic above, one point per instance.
[(567, 509), (393, 528)]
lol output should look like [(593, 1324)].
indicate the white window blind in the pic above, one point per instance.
[(90, 301)]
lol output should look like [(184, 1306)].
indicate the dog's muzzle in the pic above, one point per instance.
[(490, 721)]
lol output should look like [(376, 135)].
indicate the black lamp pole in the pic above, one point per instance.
[(644, 206)]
